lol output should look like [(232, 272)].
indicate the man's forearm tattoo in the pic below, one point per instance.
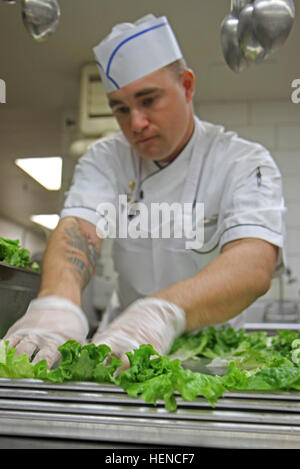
[(82, 252)]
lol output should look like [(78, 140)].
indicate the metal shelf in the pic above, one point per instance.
[(100, 413)]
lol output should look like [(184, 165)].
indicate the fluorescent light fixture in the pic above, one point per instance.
[(46, 171), (47, 221)]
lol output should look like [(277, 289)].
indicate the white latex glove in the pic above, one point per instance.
[(48, 323), (146, 321)]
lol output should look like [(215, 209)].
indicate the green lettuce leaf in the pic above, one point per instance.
[(159, 378), (13, 254), (83, 363), (284, 378), (209, 343), (14, 366), (248, 350), (255, 361)]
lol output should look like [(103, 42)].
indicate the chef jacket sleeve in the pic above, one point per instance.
[(253, 204), (94, 182)]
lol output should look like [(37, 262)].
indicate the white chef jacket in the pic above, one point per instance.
[(237, 181)]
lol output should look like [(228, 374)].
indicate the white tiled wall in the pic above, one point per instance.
[(276, 125)]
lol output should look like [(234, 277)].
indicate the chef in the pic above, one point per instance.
[(164, 154)]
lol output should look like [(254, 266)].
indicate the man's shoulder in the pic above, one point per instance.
[(221, 133), (108, 152), (228, 151), (228, 141), (112, 144)]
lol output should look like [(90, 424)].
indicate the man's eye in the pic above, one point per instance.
[(148, 101), (121, 110)]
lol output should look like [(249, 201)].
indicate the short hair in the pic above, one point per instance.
[(177, 67)]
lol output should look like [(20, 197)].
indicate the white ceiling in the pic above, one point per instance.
[(42, 79)]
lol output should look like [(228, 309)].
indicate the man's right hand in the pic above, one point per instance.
[(48, 323)]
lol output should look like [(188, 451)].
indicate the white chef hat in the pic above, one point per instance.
[(134, 50)]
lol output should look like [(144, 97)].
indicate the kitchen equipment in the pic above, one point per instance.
[(17, 288), (89, 412), (83, 414), (40, 17), (273, 21), (233, 55), (254, 29), (238, 5), (248, 42), (282, 311)]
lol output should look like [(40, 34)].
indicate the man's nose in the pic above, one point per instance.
[(139, 120)]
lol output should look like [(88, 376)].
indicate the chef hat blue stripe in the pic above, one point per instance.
[(148, 53), (99, 64), (113, 81), (124, 42)]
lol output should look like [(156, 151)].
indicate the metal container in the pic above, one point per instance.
[(17, 288), (282, 311)]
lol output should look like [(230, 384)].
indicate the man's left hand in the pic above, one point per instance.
[(146, 321)]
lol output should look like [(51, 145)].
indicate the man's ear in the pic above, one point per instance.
[(188, 82)]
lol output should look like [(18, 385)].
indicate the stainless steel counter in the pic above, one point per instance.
[(104, 414)]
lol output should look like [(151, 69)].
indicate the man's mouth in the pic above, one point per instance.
[(146, 139)]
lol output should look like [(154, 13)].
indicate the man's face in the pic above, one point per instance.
[(155, 113)]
